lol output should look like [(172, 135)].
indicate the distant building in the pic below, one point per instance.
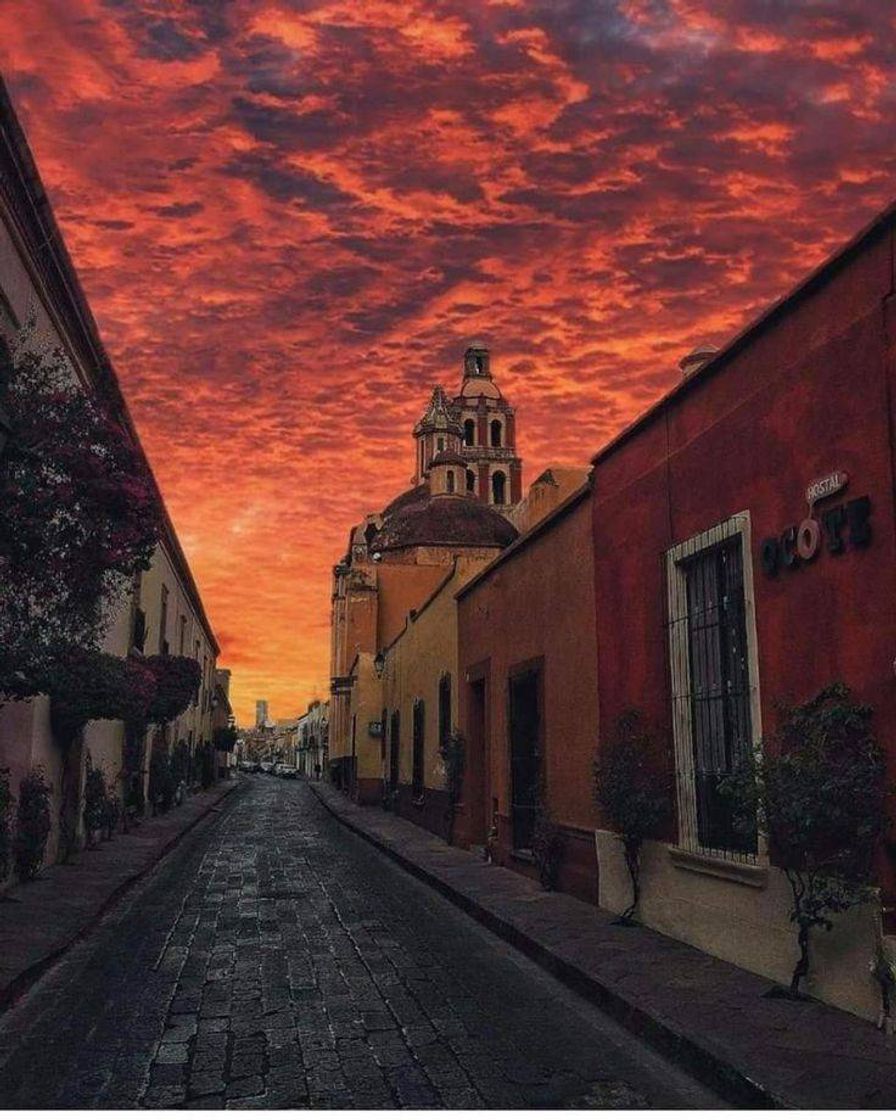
[(467, 477), (261, 713), (312, 740)]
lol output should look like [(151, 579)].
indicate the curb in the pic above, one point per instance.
[(714, 1070), (22, 983)]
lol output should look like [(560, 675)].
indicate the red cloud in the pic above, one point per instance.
[(290, 222)]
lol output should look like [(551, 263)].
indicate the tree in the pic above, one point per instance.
[(224, 739), (177, 680), (85, 684), (80, 516), (627, 788), (32, 823), (817, 789)]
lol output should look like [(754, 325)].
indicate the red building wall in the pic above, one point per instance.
[(807, 391)]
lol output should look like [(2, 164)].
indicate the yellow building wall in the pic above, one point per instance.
[(365, 708), (26, 739), (422, 653)]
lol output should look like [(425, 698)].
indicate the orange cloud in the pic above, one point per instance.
[(290, 219)]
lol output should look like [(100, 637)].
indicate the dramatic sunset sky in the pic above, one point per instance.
[(291, 216)]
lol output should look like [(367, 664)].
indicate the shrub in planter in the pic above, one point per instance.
[(32, 824), (817, 789), (181, 763), (95, 797), (161, 781), (633, 797), (7, 801), (111, 814), (176, 682), (224, 738), (206, 764), (548, 845)]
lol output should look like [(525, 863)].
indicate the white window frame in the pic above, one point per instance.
[(738, 525)]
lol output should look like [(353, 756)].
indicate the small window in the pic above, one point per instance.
[(419, 736), (440, 444), (139, 629), (163, 621), (499, 484), (451, 482), (469, 432), (496, 433), (471, 481)]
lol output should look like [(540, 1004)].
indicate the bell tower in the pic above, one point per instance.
[(492, 469), (437, 430)]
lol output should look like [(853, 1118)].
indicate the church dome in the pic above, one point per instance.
[(462, 522), (408, 497)]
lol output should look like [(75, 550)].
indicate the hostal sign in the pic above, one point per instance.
[(847, 525)]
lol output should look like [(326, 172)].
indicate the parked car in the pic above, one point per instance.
[(267, 767), (288, 772)]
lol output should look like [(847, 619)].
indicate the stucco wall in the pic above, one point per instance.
[(26, 738), (414, 665), (538, 603), (811, 393)]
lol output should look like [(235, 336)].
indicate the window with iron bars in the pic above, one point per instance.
[(714, 690)]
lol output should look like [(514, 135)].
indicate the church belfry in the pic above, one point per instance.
[(493, 471), (472, 436)]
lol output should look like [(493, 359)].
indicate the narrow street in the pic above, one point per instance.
[(276, 960)]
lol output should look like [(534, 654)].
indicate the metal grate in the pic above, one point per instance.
[(712, 693)]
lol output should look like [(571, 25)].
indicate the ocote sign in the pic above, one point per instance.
[(839, 527)]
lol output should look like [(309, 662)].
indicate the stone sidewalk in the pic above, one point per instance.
[(41, 919), (705, 1014)]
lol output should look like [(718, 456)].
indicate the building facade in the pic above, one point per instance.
[(744, 542), (313, 740), (164, 611), (528, 695), (397, 558)]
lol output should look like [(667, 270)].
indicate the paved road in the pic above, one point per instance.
[(276, 960)]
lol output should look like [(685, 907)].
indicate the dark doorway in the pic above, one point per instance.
[(417, 768), (476, 777), (525, 736), (394, 751)]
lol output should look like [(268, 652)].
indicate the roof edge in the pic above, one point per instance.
[(811, 282), (566, 506)]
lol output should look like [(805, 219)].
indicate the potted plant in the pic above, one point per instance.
[(817, 789), (631, 794)]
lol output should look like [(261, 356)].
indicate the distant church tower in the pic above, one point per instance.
[(472, 437), (493, 472)]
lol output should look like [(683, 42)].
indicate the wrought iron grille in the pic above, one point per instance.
[(712, 692)]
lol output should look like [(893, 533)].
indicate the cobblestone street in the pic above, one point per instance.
[(276, 960)]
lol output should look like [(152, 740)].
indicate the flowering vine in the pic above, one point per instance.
[(80, 516)]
